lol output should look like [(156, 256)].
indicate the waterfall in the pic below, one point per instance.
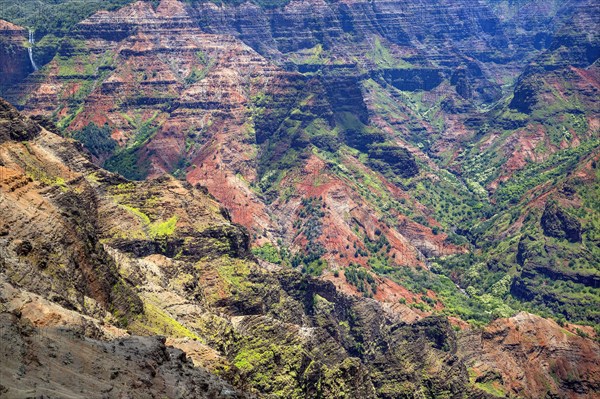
[(30, 50)]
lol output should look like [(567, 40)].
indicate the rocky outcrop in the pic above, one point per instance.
[(557, 223), (15, 127), (269, 121), (61, 362), (413, 79), (531, 357), (525, 97)]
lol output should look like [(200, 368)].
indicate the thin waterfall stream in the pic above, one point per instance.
[(30, 49)]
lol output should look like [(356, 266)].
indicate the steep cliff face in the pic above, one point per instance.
[(14, 63)]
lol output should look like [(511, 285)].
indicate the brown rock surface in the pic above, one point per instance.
[(60, 362), (532, 357)]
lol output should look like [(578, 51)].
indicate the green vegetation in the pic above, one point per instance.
[(552, 256), (277, 131), (383, 58), (530, 270), (361, 279), (156, 321), (560, 164), (128, 160), (234, 272), (141, 215), (270, 361), (315, 267), (531, 246), (97, 140), (310, 225), (127, 164), (57, 17), (470, 306), (267, 252), (197, 74), (492, 387), (161, 229)]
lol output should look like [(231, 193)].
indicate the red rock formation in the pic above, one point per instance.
[(531, 357), (195, 93)]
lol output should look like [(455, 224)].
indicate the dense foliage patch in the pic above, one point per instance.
[(57, 17)]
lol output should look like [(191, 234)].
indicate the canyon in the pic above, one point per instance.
[(305, 198)]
